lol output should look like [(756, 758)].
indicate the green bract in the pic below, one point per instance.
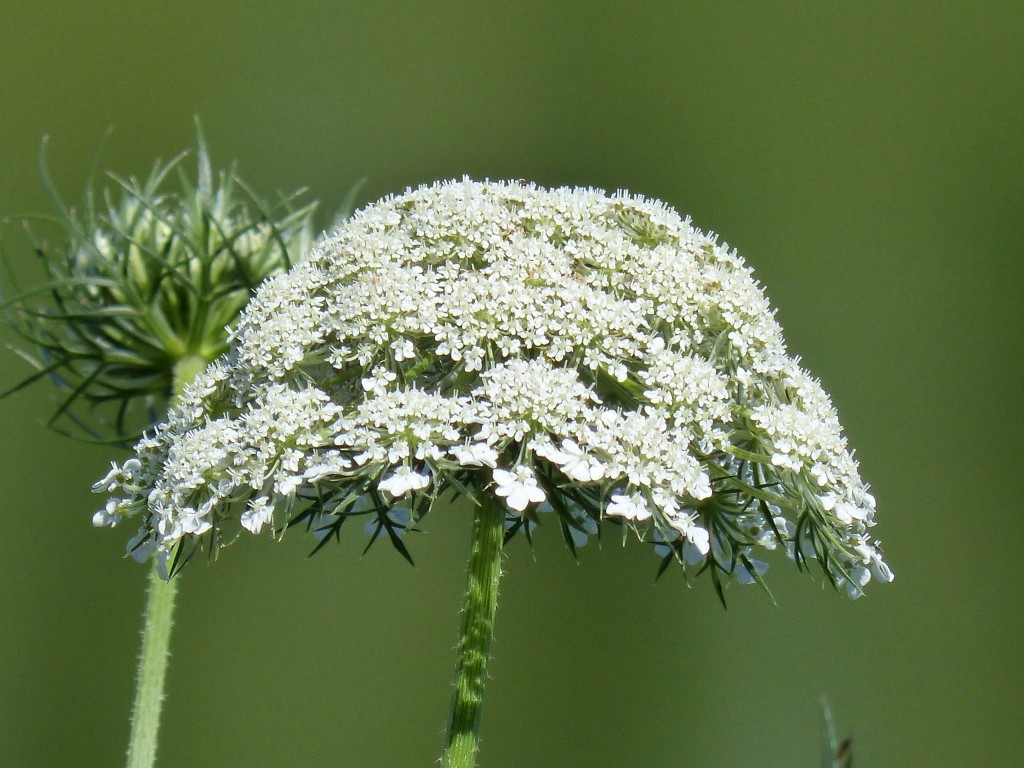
[(588, 356), (145, 278)]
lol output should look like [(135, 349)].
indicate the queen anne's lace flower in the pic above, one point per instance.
[(563, 351)]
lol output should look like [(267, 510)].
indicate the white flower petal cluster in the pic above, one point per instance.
[(558, 351)]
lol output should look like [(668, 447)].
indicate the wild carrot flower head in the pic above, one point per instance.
[(567, 354), (146, 277)]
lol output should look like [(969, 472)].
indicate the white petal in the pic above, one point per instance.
[(700, 539), (536, 494), (518, 497), (503, 477)]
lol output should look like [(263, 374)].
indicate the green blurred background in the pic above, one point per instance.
[(868, 161)]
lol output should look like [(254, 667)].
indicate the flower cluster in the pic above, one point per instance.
[(148, 278), (559, 352)]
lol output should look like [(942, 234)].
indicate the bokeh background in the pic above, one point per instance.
[(867, 159)]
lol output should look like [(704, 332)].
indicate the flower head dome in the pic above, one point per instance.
[(560, 352)]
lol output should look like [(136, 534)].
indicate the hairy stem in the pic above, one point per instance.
[(477, 630), (156, 632), (149, 684)]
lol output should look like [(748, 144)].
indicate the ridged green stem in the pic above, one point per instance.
[(477, 630), (149, 684), (156, 632)]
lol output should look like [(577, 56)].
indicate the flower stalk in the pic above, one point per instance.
[(150, 680), (474, 649), (186, 370), (152, 672)]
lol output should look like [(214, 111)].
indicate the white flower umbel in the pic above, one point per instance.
[(592, 351), (531, 350)]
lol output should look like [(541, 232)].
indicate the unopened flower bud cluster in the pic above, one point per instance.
[(559, 351), (149, 278)]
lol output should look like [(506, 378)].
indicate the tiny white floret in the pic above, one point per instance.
[(258, 512), (403, 480), (475, 455), (632, 507), (519, 488)]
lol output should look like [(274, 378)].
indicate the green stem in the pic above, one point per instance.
[(477, 630), (156, 632), (149, 684), (186, 370)]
